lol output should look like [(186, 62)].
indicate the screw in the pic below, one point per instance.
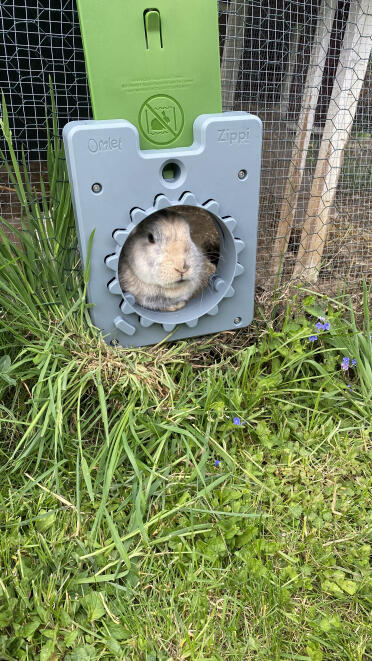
[(242, 174), (96, 188), (237, 320)]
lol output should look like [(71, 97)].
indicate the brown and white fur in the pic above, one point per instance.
[(160, 264)]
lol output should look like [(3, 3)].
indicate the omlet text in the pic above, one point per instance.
[(108, 144)]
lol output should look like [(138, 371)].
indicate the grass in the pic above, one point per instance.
[(120, 537)]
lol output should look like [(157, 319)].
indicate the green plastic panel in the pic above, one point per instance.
[(154, 63)]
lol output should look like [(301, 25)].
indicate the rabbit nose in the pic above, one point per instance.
[(184, 269)]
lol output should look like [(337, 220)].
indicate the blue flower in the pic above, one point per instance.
[(345, 363), (353, 362), (217, 463), (238, 422), (313, 338), (322, 326), (321, 318), (349, 386)]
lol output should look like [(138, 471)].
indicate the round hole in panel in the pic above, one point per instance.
[(189, 232), (172, 173)]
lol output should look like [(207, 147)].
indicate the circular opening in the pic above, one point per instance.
[(97, 188), (171, 172), (153, 253), (242, 174), (237, 321)]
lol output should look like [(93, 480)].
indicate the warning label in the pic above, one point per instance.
[(161, 119)]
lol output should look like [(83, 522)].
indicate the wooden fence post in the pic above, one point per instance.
[(303, 134), (351, 71)]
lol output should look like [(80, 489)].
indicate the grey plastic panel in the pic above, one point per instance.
[(108, 153)]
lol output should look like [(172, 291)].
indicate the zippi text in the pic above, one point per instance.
[(233, 137)]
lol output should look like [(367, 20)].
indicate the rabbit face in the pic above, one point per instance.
[(165, 255), (161, 265)]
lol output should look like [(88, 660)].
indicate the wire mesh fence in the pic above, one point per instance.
[(304, 67)]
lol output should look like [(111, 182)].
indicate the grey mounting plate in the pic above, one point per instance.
[(220, 172)]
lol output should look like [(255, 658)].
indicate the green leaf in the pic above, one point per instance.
[(45, 520), (89, 251), (252, 644), (332, 588), (63, 617), (114, 647), (43, 614), (86, 476), (8, 379), (296, 511), (246, 537), (314, 653), (47, 651), (118, 543), (6, 618), (30, 628), (82, 653), (348, 586), (93, 606), (71, 637), (5, 363), (326, 624), (117, 631)]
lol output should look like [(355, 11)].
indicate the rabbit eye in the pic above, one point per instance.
[(150, 237)]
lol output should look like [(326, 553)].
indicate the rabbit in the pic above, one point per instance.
[(160, 264)]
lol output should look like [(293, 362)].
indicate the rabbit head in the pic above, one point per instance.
[(162, 252), (161, 265)]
